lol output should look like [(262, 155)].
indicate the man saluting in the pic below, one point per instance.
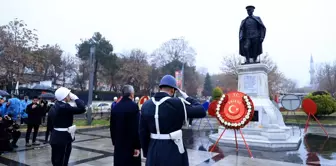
[(161, 121), (63, 133)]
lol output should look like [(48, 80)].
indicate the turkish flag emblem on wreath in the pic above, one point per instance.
[(234, 110)]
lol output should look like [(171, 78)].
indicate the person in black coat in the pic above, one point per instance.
[(44, 104), (124, 125), (63, 133), (51, 111), (35, 112), (161, 121), (8, 131)]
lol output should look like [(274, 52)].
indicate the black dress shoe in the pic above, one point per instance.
[(14, 146)]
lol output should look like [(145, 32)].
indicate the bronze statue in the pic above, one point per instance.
[(252, 33)]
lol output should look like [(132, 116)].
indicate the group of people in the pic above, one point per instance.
[(19, 111), (155, 129)]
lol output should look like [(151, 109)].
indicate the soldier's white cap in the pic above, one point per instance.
[(115, 98), (61, 93), (136, 98)]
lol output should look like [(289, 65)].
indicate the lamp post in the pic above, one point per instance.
[(182, 74), (89, 113)]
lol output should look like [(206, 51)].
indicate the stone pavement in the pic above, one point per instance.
[(94, 148)]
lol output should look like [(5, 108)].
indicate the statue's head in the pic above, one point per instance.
[(250, 10)]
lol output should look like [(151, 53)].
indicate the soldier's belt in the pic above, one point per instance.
[(160, 136), (71, 130), (176, 136)]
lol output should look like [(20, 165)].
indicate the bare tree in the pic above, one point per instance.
[(48, 61), (68, 69), (17, 42), (135, 69), (81, 75), (230, 65), (174, 50), (326, 77)]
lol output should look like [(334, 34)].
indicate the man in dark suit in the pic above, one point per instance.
[(124, 130), (161, 122), (63, 133), (35, 112)]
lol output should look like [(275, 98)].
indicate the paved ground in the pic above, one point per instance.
[(94, 148)]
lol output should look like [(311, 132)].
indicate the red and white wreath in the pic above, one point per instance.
[(238, 117)]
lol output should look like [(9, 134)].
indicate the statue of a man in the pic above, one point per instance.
[(252, 33)]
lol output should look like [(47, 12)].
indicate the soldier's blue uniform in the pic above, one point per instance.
[(62, 120), (156, 136)]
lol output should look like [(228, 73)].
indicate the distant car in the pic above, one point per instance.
[(103, 107)]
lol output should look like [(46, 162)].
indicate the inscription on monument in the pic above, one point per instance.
[(250, 84)]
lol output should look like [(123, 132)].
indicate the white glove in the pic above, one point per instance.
[(73, 96), (184, 95)]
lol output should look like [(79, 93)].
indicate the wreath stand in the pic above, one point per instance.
[(234, 111), (291, 103), (235, 132), (310, 107)]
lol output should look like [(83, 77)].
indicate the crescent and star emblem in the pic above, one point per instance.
[(232, 112)]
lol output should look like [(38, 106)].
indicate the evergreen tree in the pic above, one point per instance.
[(207, 88)]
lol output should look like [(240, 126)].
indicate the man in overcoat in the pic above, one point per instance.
[(252, 33), (124, 127), (161, 122)]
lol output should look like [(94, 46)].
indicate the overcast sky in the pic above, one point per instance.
[(295, 28)]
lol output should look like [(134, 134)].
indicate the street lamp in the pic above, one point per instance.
[(89, 113)]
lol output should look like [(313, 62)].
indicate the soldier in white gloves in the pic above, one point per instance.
[(63, 133), (161, 122)]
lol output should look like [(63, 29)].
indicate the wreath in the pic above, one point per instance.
[(234, 110)]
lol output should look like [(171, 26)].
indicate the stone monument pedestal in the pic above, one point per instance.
[(267, 130)]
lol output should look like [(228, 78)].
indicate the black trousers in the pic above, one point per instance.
[(49, 129), (15, 135), (250, 48), (23, 120), (190, 121), (29, 129), (60, 154)]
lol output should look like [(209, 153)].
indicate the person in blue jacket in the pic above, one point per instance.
[(13, 108), (206, 105), (161, 122), (23, 113), (114, 103)]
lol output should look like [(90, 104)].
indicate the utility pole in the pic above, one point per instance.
[(182, 75), (92, 57)]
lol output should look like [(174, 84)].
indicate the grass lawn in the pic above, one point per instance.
[(301, 113), (81, 123), (291, 113), (303, 121), (95, 122)]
